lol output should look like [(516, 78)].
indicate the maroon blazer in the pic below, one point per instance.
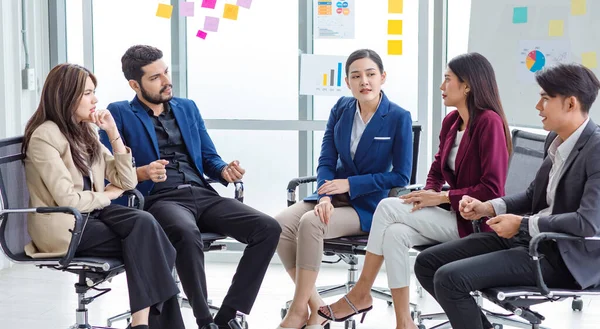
[(481, 163)]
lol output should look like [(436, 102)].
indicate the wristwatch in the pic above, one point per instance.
[(524, 224)]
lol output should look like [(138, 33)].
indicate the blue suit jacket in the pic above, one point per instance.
[(382, 160), (137, 130)]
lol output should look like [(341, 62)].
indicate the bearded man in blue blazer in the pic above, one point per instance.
[(174, 152)]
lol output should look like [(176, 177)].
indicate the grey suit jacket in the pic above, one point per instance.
[(576, 207)]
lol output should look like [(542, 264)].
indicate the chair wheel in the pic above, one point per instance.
[(327, 326), (350, 324), (577, 305), (497, 326), (421, 326), (390, 303), (283, 313)]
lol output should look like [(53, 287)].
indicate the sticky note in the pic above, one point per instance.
[(395, 6), (578, 7), (519, 15), (209, 4), (201, 34), (394, 47), (395, 26), (211, 24), (244, 3), (589, 60), (186, 9), (556, 28), (231, 11), (164, 10)]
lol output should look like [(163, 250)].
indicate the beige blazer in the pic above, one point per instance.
[(53, 180)]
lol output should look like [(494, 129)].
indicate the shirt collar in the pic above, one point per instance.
[(357, 113), (167, 108), (564, 148)]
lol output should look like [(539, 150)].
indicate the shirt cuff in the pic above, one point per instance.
[(533, 226), (499, 206)]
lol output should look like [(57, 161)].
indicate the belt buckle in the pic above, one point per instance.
[(183, 186)]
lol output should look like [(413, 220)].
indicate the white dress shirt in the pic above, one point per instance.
[(358, 128), (558, 152), (454, 150)]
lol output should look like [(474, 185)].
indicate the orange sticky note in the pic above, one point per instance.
[(395, 6), (395, 26), (394, 47), (231, 11), (164, 10), (556, 28)]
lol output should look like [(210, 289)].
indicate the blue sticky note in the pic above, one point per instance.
[(519, 15)]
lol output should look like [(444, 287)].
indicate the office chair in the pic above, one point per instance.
[(14, 207), (209, 240), (526, 159), (348, 248)]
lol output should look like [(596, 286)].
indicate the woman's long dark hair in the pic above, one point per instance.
[(477, 72), (62, 92)]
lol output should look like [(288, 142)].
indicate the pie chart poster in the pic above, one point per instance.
[(534, 55)]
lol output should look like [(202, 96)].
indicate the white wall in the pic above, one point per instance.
[(17, 105)]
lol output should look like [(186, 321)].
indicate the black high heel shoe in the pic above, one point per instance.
[(332, 317)]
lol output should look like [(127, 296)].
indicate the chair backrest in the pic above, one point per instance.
[(416, 129), (13, 195), (526, 159)]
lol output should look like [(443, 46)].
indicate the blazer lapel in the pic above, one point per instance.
[(344, 134), (371, 130), (141, 113), (184, 126)]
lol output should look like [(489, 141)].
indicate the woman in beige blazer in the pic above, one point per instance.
[(66, 165)]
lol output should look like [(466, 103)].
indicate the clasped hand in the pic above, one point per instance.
[(506, 226), (422, 198), (233, 172)]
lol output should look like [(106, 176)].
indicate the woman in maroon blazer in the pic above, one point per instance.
[(473, 159)]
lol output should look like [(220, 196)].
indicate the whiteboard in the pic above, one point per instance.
[(494, 35)]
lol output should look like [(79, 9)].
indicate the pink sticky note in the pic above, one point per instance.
[(211, 24), (244, 3), (186, 9), (209, 4), (201, 34)]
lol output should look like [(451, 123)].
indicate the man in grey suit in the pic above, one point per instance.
[(564, 197)]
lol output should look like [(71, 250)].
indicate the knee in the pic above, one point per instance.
[(422, 265), (185, 237), (397, 236), (271, 227), (310, 224), (391, 208), (448, 277)]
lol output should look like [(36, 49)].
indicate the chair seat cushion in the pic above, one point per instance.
[(356, 240), (211, 237), (99, 263)]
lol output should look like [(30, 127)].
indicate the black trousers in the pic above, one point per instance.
[(450, 271), (184, 213), (137, 238)]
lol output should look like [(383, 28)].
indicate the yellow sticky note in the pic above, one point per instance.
[(556, 28), (395, 6), (589, 60), (578, 7), (394, 47), (395, 26), (164, 10), (231, 11)]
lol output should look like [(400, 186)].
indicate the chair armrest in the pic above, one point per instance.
[(238, 194), (535, 255), (76, 232), (133, 195), (401, 190), (291, 188)]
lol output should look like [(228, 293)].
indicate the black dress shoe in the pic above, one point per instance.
[(210, 326)]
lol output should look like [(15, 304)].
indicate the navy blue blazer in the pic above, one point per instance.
[(383, 158), (137, 131)]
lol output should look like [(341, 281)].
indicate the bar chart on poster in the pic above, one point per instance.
[(322, 75)]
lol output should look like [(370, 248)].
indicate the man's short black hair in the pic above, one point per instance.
[(137, 57), (570, 80)]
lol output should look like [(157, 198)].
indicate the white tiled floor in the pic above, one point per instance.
[(41, 298)]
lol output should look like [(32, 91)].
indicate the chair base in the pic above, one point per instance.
[(497, 321)]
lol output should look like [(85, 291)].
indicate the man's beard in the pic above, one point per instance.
[(156, 98)]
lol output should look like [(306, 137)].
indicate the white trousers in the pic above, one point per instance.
[(395, 230)]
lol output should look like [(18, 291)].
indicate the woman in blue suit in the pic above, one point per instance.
[(366, 150)]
